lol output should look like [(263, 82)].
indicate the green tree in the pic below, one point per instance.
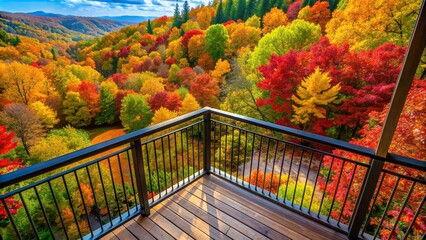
[(76, 110), (216, 40), (228, 10), (135, 113), (240, 9), (53, 51), (249, 11), (220, 17), (262, 8), (149, 27), (185, 12), (107, 113), (298, 35), (177, 19)]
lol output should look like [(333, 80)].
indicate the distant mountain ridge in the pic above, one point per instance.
[(124, 18), (45, 26)]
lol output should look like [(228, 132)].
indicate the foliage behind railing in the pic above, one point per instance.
[(313, 175)]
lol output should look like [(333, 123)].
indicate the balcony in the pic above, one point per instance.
[(214, 174)]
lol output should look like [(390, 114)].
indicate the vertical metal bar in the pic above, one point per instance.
[(402, 208), (414, 218), (326, 185), (183, 158), (258, 162), (72, 206), (289, 172), (94, 196), (273, 169), (140, 176), (131, 178), (374, 200), (198, 148), (164, 163), (31, 219), (156, 168), (148, 165), (252, 158), (193, 150), (281, 168), (122, 181), (363, 203), (84, 203), (306, 180), (207, 141), (226, 146), (335, 191), (220, 148), (105, 196), (347, 194), (297, 176), (232, 152), (238, 149), (56, 206), (245, 158), (11, 218), (170, 161), (176, 158), (266, 164), (115, 191), (187, 151), (316, 181), (387, 207), (44, 213)]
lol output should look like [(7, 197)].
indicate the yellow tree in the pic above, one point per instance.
[(276, 17), (196, 47), (163, 114), (46, 115), (189, 104), (244, 36), (366, 24), (312, 96), (222, 67), (21, 82), (152, 86)]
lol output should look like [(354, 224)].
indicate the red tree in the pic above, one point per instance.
[(186, 75), (204, 89), (171, 101), (119, 79), (90, 94), (188, 35), (6, 166), (293, 10)]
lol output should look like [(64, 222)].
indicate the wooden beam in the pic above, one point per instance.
[(405, 78)]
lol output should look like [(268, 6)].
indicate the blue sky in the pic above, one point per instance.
[(97, 7)]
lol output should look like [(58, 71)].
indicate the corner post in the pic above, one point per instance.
[(140, 177), (365, 198), (207, 141)]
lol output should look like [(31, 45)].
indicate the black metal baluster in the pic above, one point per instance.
[(198, 147), (402, 208), (387, 207), (193, 151), (57, 208), (326, 185), (94, 198), (11, 218), (297, 176), (232, 154), (258, 162), (170, 161), (84, 203), (335, 191), (148, 164), (281, 169), (289, 173), (266, 165), (273, 169), (374, 201), (44, 212), (347, 194), (115, 191), (31, 219), (176, 158), (187, 151), (306, 180), (220, 148), (226, 146), (414, 218), (315, 184), (72, 206), (238, 149), (105, 196), (164, 164), (214, 147), (245, 158), (131, 179), (251, 159), (156, 169), (183, 158), (124, 185)]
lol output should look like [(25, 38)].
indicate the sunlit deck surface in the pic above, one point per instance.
[(211, 208)]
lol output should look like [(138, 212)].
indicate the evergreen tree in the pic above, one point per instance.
[(220, 18), (54, 54), (228, 10), (177, 19), (249, 9), (262, 8), (240, 9), (107, 114), (149, 27), (308, 2), (15, 41), (185, 12)]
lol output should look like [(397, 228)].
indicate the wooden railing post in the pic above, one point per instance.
[(207, 141), (365, 198), (140, 177)]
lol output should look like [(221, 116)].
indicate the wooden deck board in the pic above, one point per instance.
[(212, 208)]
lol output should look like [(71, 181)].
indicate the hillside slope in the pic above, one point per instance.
[(57, 28)]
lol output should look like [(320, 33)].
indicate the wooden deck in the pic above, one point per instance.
[(211, 208)]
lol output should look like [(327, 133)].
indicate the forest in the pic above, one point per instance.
[(325, 67)]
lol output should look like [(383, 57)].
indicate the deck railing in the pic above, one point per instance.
[(105, 185)]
